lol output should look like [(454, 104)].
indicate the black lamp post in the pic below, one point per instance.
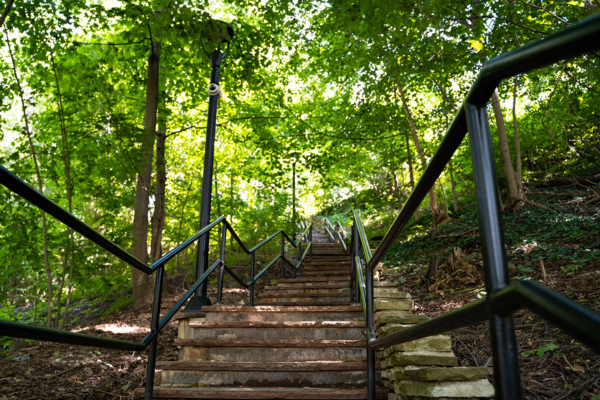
[(219, 34)]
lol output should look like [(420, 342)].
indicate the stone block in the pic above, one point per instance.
[(397, 317), (436, 343), (429, 358), (437, 373), (386, 284), (468, 389), (389, 329), (390, 293), (388, 304)]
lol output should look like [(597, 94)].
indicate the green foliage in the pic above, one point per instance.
[(540, 351)]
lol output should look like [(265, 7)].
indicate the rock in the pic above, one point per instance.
[(386, 284), (385, 304), (480, 388), (389, 329), (401, 317), (437, 373), (436, 343), (390, 293), (420, 358), (16, 345), (511, 267)]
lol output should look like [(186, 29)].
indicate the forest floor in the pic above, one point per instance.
[(44, 370), (563, 238)]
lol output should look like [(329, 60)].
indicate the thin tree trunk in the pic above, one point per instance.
[(141, 282), (158, 218), (231, 209), (6, 11), (410, 170), (67, 164), (39, 182), (517, 142), (509, 172), (187, 196), (217, 197), (413, 130), (454, 198), (397, 186)]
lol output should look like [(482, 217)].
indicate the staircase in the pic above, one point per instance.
[(303, 341)]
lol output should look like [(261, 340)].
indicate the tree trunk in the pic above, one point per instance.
[(67, 163), (413, 131), (397, 186), (454, 198), (509, 173), (142, 284), (517, 142), (410, 170), (39, 182), (158, 218)]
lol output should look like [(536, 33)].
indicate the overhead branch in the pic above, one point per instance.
[(6, 11)]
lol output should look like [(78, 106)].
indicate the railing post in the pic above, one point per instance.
[(222, 269), (370, 335), (352, 284), (252, 262), (154, 327), (282, 252), (504, 345), (300, 253), (311, 239), (355, 254)]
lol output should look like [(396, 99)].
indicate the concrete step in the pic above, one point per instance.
[(299, 351), (283, 313), (322, 272), (313, 279), (277, 331), (276, 289), (309, 286), (301, 374), (262, 393), (314, 302)]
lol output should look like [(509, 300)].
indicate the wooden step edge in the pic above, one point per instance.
[(342, 285), (314, 279), (296, 366), (296, 344), (278, 324), (283, 309), (246, 393), (289, 295), (314, 303)]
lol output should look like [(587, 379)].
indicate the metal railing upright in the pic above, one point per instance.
[(503, 298)]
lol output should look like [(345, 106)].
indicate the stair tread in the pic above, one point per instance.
[(277, 324), (319, 294), (300, 366), (314, 303), (269, 343), (279, 308), (262, 393), (314, 279), (334, 285)]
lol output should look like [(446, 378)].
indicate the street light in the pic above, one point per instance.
[(219, 33)]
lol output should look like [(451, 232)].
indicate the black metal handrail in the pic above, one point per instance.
[(305, 236), (150, 342), (503, 298)]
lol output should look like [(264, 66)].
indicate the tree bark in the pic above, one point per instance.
[(413, 131), (158, 218), (410, 170), (514, 193), (517, 142), (39, 182), (142, 284)]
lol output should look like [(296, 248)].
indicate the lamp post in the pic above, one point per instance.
[(219, 33)]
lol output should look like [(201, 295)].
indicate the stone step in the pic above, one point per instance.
[(262, 393), (299, 290), (276, 378), (303, 295), (392, 317), (283, 313), (414, 373), (326, 267), (277, 331), (429, 358), (280, 353), (468, 389), (338, 301), (436, 343), (309, 285), (313, 279), (326, 272)]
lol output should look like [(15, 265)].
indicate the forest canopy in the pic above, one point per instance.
[(100, 100)]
